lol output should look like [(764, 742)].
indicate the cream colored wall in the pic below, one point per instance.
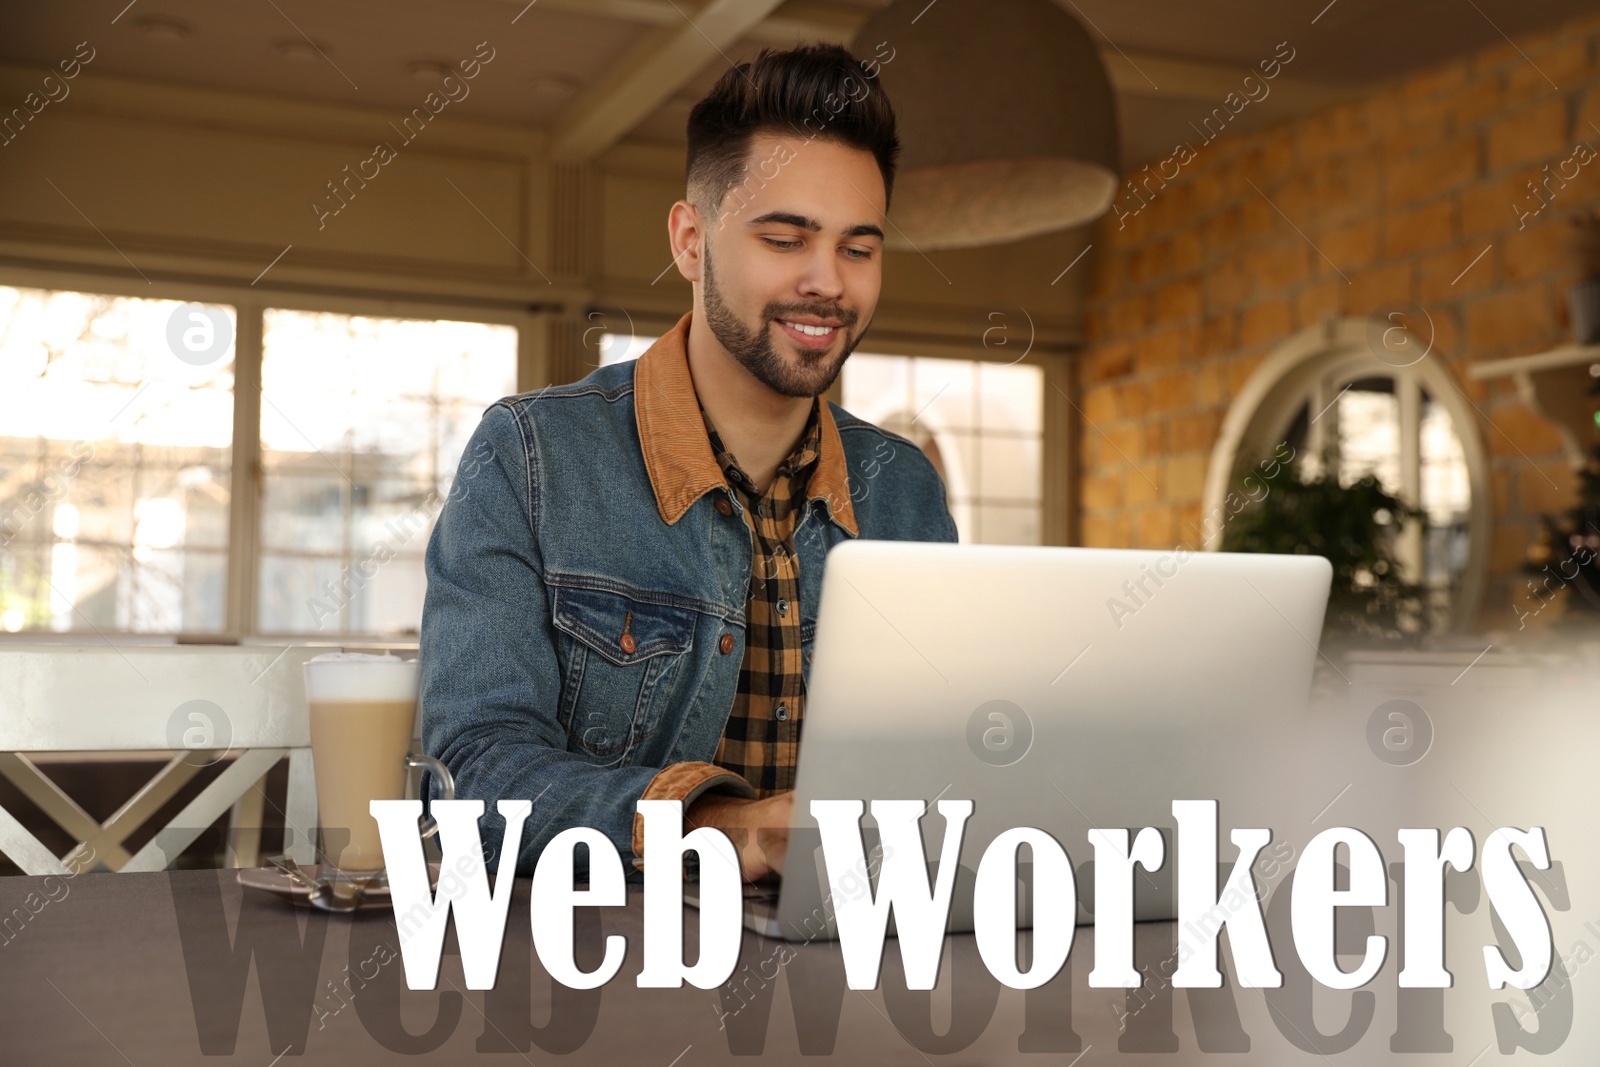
[(158, 187), (217, 184)]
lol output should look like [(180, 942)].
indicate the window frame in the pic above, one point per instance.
[(1058, 522), (549, 341), (246, 485)]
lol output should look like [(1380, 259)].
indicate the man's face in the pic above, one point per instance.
[(793, 261)]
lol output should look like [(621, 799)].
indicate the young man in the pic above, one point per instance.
[(622, 589)]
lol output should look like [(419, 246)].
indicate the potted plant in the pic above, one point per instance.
[(1355, 527), (1567, 555)]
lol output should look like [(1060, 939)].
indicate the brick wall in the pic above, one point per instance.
[(1397, 192)]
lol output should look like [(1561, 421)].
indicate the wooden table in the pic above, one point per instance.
[(157, 968)]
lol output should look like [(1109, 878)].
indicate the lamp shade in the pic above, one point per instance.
[(1006, 118)]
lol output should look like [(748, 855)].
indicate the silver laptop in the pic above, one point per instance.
[(1059, 688)]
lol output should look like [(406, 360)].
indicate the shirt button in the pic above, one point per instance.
[(783, 607), (726, 644), (783, 712), (723, 506)]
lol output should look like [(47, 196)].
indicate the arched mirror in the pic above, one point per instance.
[(1355, 394)]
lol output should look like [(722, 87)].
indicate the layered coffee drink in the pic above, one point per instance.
[(363, 708)]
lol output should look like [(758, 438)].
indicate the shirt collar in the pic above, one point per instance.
[(797, 465), (677, 449)]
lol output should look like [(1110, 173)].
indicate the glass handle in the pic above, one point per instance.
[(446, 782)]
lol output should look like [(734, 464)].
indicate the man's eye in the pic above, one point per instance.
[(780, 244), (859, 253)]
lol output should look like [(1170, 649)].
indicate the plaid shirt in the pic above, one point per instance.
[(757, 754), (762, 738)]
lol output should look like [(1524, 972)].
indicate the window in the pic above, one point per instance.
[(980, 423), (1365, 429), (115, 463), (363, 421), (620, 347), (1328, 395), (118, 479)]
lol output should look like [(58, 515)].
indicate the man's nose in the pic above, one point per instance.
[(822, 277)]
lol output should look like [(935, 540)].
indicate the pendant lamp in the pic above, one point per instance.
[(1006, 119)]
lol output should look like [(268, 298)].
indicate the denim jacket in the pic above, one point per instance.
[(578, 510)]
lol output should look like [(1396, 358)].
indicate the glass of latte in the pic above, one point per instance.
[(363, 708)]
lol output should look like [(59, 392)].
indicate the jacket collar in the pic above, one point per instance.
[(677, 451)]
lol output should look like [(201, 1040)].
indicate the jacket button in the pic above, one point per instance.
[(726, 644), (627, 643), (723, 506)]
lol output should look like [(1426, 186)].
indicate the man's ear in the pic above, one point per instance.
[(687, 239)]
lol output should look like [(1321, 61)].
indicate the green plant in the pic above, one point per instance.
[(1355, 528), (1569, 552)]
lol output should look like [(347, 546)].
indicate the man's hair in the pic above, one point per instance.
[(815, 91)]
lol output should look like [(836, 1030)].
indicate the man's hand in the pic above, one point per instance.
[(759, 829)]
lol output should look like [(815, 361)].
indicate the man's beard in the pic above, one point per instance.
[(753, 348)]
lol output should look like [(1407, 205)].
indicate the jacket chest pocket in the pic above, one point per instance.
[(617, 658)]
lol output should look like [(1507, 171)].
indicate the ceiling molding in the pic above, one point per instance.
[(1151, 74), (806, 21), (651, 73), (117, 96), (684, 38), (1133, 72), (63, 258)]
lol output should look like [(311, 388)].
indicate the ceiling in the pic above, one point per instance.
[(595, 71)]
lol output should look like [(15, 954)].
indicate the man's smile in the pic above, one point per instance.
[(817, 334)]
